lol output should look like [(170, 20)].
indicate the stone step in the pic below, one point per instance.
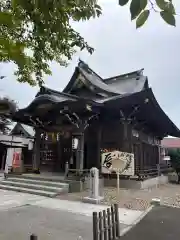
[(38, 181), (56, 189), (26, 190), (40, 177)]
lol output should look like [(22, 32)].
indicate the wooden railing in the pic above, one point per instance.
[(77, 172), (153, 171), (33, 237), (106, 224)]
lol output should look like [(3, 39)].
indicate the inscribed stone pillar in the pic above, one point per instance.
[(94, 187), (94, 183)]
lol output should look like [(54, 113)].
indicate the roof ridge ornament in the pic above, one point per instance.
[(140, 72), (86, 67)]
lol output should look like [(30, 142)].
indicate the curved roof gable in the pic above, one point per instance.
[(119, 85), (149, 110), (91, 80), (27, 130), (129, 83)]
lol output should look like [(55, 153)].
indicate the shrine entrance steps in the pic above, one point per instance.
[(35, 185)]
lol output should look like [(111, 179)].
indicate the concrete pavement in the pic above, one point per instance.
[(161, 223), (10, 199), (126, 216), (21, 222), (23, 214)]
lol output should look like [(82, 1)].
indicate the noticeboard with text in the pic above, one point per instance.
[(114, 161)]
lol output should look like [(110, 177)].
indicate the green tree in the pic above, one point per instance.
[(175, 161), (140, 10), (5, 124), (35, 32), (7, 106)]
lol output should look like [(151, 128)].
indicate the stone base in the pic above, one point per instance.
[(156, 201), (134, 184), (92, 200)]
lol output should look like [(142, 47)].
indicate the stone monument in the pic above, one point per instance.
[(94, 196)]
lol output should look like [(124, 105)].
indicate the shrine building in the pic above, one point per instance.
[(117, 114)]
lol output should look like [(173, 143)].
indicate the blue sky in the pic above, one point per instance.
[(119, 48)]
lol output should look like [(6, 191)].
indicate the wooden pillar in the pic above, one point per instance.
[(58, 160), (93, 142), (81, 151), (127, 137), (36, 154), (142, 156), (98, 153), (158, 154)]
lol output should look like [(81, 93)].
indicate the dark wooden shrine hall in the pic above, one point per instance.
[(118, 113)]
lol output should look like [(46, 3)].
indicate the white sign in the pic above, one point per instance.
[(111, 161), (166, 158)]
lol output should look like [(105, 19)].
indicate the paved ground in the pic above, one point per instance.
[(23, 214), (9, 199), (136, 199), (126, 216), (20, 222), (161, 223)]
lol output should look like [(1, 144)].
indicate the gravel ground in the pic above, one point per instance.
[(135, 199)]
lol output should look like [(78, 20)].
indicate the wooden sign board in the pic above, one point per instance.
[(111, 161)]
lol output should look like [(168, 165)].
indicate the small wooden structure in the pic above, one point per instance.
[(11, 145), (33, 237), (106, 224), (25, 132)]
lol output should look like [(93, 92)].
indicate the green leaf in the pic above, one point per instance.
[(136, 7), (123, 2), (34, 33), (162, 4), (166, 6), (168, 18), (170, 8), (6, 19), (142, 18), (143, 4)]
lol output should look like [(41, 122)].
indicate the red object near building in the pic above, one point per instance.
[(16, 160)]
